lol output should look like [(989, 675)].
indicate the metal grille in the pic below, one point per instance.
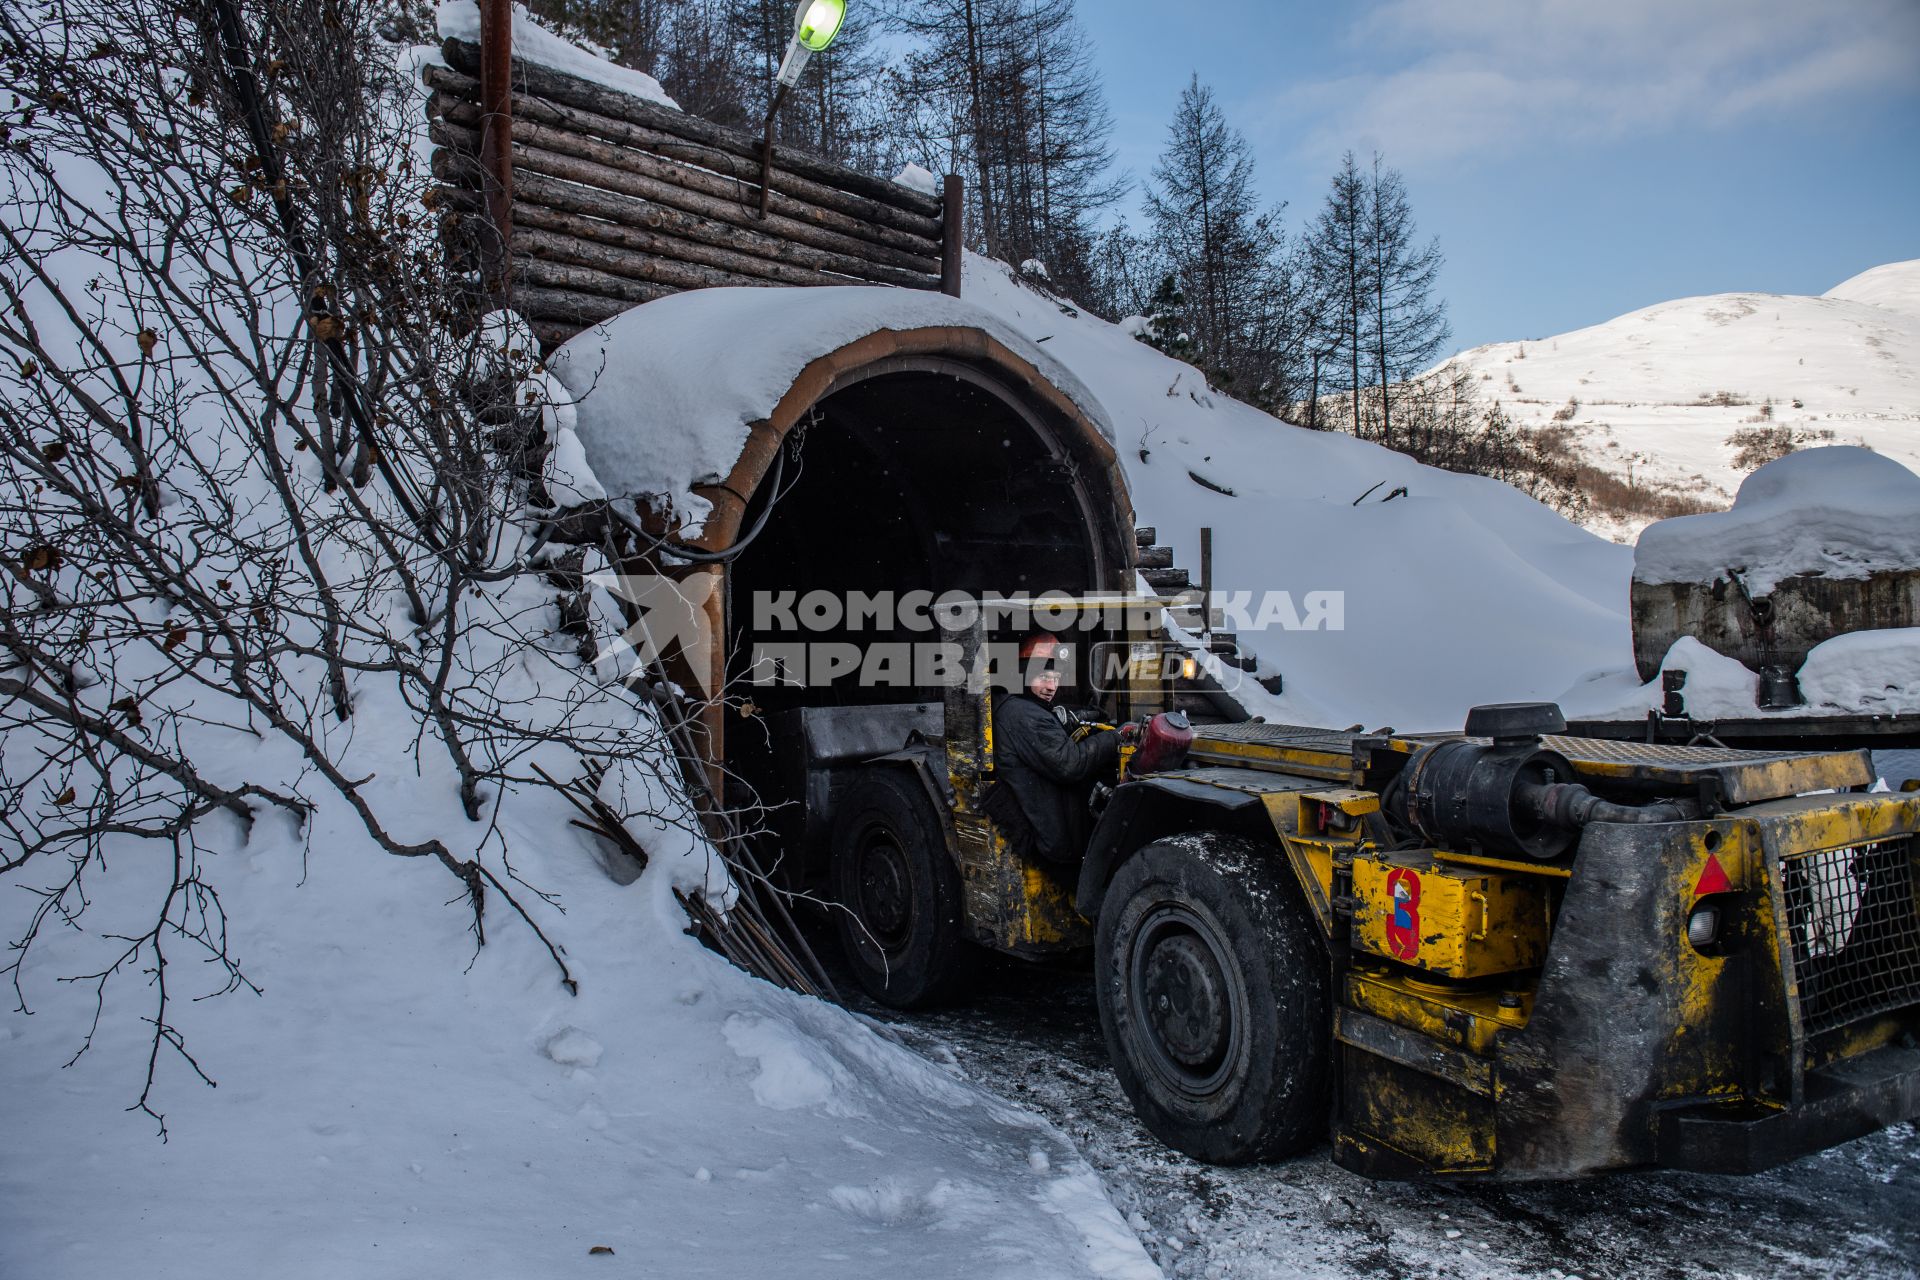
[(1854, 926), (1656, 753), (1279, 735)]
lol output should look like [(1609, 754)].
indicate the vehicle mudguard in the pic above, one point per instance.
[(918, 759), (1145, 809)]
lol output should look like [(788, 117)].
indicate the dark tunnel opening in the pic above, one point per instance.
[(916, 480)]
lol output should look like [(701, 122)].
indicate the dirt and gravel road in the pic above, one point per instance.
[(1032, 1034)]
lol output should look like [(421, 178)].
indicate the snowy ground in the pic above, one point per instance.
[(386, 1109), (1652, 396), (1033, 1034)]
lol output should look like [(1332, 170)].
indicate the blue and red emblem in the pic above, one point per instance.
[(1403, 926)]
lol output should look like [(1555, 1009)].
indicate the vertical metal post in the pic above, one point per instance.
[(766, 150), (496, 140), (1206, 581), (953, 214)]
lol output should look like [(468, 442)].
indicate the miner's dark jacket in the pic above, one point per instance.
[(1039, 799)]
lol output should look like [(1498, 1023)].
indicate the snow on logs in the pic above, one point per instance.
[(618, 201)]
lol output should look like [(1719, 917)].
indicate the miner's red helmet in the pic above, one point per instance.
[(1043, 648)]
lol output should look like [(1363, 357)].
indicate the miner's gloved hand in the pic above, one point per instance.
[(1130, 733)]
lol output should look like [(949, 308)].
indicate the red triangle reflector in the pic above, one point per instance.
[(1713, 878)]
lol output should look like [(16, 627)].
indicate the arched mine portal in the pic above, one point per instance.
[(914, 473)]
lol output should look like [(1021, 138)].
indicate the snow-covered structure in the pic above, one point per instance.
[(1817, 544), (611, 196)]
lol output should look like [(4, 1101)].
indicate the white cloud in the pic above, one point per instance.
[(1446, 79)]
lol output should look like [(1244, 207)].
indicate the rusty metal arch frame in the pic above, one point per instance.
[(970, 355)]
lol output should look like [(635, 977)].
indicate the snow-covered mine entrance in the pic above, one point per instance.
[(855, 440)]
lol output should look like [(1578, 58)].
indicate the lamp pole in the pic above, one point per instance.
[(815, 25)]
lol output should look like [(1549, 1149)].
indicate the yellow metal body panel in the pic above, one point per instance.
[(1305, 761), (1744, 776), (1446, 1131), (1449, 920), (1512, 866), (1463, 1019), (1010, 904)]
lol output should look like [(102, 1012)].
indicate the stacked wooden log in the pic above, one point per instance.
[(618, 200)]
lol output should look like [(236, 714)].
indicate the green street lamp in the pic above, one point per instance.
[(815, 25)]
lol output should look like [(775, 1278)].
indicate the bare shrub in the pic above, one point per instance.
[(1756, 446), (254, 469)]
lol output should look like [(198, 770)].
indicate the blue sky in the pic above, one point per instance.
[(1577, 159)]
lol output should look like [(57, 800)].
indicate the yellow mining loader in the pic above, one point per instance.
[(1505, 954)]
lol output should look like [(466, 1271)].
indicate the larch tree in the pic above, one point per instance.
[(1340, 266), (1222, 248), (1060, 171), (1409, 323), (951, 60), (1009, 87)]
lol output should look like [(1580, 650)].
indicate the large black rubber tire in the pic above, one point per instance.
[(1212, 983), (897, 890)]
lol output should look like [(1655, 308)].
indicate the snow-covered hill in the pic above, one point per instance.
[(1654, 395)]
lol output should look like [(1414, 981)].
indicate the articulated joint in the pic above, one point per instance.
[(1569, 805)]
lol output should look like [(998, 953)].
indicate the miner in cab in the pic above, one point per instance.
[(1049, 758), (1504, 953)]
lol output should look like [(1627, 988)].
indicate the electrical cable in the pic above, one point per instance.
[(694, 555)]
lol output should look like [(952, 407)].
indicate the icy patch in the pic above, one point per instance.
[(1843, 512), (572, 1047), (460, 20), (1868, 672), (915, 178)]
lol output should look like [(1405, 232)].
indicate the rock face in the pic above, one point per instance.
[(1818, 544), (1776, 629)]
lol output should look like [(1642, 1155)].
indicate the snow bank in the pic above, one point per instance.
[(1718, 687), (664, 393), (1842, 512), (1865, 673), (460, 20), (396, 1105)]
